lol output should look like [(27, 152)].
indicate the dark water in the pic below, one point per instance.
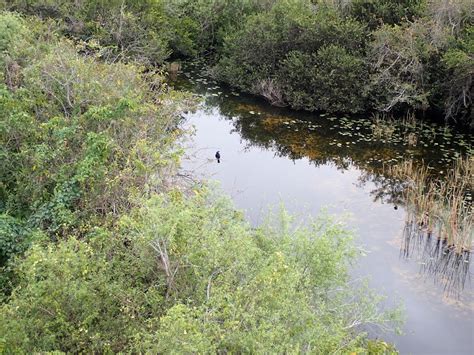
[(308, 162)]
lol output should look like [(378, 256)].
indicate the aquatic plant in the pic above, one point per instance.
[(439, 225), (443, 208), (383, 126)]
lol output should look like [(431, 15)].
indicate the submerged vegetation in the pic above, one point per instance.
[(103, 249)]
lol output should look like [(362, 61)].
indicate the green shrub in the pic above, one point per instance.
[(14, 237), (375, 13), (15, 44), (80, 137), (459, 62), (12, 29), (294, 44), (330, 80), (189, 274), (135, 30), (398, 57), (199, 27)]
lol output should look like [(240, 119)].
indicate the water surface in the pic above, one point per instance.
[(309, 162)]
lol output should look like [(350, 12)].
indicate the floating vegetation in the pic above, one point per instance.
[(368, 142)]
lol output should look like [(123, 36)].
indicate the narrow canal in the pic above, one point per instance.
[(309, 163)]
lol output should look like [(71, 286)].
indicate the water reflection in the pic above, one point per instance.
[(386, 189), (439, 260), (272, 155), (346, 143)]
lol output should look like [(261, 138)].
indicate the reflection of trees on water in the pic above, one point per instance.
[(439, 260), (386, 189), (322, 141), (315, 141)]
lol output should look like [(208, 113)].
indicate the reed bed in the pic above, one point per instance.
[(385, 127), (439, 226), (442, 208)]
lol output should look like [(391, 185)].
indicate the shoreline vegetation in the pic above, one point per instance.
[(104, 249), (440, 208), (386, 57), (439, 230)]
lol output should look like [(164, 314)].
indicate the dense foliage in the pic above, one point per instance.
[(189, 275), (80, 138), (383, 55), (102, 251), (339, 56)]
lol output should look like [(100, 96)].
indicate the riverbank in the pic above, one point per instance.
[(355, 56)]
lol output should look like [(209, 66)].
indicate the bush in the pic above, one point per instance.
[(15, 43), (398, 55), (330, 80), (135, 30), (249, 44), (80, 137), (189, 274), (292, 46), (14, 237), (375, 13), (459, 63), (12, 29), (199, 27)]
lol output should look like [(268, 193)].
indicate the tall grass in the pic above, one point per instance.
[(439, 225), (386, 126), (440, 207), (383, 126)]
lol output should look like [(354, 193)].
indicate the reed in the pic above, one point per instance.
[(386, 126), (383, 126), (440, 207), (439, 226)]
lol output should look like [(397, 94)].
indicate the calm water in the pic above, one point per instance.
[(311, 162)]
